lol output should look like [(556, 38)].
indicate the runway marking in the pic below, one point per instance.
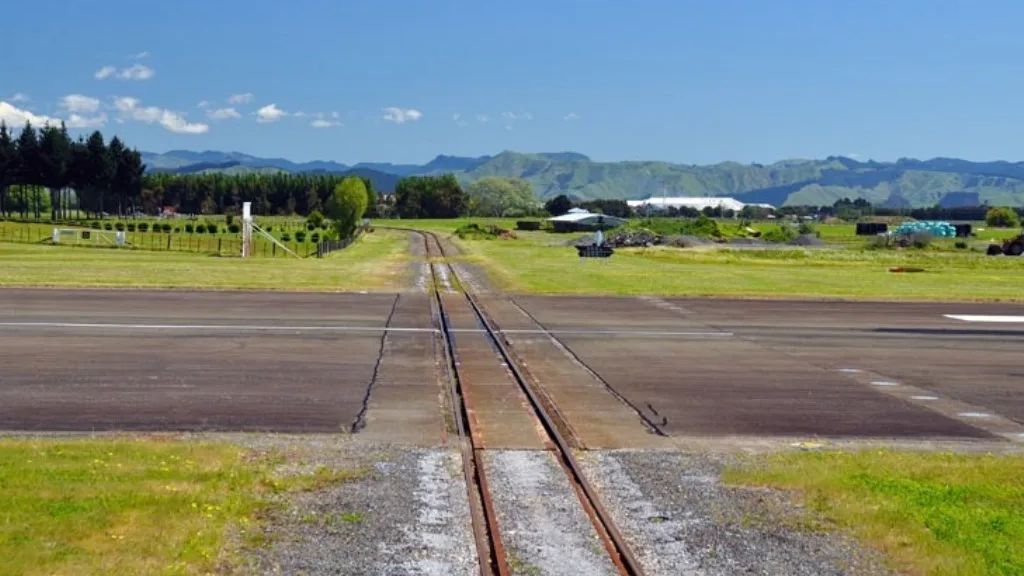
[(247, 327), (884, 383), (273, 328), (630, 332), (1005, 319), (850, 370), (974, 415), (924, 398)]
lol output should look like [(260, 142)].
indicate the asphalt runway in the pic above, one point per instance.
[(184, 360), (291, 362), (711, 367)]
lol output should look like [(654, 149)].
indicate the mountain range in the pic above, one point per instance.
[(904, 183)]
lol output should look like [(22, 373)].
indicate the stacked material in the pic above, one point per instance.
[(933, 227)]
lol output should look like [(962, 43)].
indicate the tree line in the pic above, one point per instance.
[(87, 173)]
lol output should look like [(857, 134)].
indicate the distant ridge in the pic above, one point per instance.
[(906, 182)]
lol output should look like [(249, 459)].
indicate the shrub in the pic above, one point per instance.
[(961, 245), (211, 228), (315, 238), (107, 226), (286, 237), (119, 226), (315, 219), (1002, 217), (781, 233), (200, 228), (269, 228), (189, 228), (229, 220), (177, 229), (702, 226), (805, 228), (94, 225), (166, 227), (300, 236), (143, 226), (131, 226), (234, 228)]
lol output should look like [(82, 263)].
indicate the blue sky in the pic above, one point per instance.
[(691, 82)]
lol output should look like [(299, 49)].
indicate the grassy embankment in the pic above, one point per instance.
[(931, 514), (374, 262), (542, 262), (134, 506)]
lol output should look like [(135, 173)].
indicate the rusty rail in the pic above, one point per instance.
[(612, 539)]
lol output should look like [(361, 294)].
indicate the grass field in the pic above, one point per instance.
[(541, 262), (376, 261), (931, 514), (124, 507)]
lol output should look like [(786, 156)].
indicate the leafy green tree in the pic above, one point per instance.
[(1002, 217), (558, 205), (347, 206), (497, 196), (99, 172)]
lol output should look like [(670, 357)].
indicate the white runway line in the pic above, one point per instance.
[(974, 415), (924, 398), (622, 332), (274, 328), (884, 383), (246, 327), (1002, 319)]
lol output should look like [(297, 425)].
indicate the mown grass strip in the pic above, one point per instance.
[(930, 513), (136, 506), (376, 261)]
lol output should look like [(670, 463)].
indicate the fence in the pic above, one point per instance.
[(326, 247), (30, 233)]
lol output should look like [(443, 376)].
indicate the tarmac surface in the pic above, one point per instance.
[(184, 360), (619, 369)]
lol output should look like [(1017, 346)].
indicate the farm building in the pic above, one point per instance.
[(695, 202)]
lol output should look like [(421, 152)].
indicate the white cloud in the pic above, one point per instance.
[(80, 103), (483, 118), (401, 115), (457, 118), (141, 55), (245, 98), (512, 116), (16, 117), (324, 123), (299, 114), (223, 114), (80, 121), (131, 109), (571, 116), (136, 72), (203, 104), (20, 97), (270, 113), (133, 72)]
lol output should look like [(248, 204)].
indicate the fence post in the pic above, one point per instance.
[(169, 241), (219, 245)]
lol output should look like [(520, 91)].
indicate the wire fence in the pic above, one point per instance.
[(157, 241)]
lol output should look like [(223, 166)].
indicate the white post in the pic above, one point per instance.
[(246, 229)]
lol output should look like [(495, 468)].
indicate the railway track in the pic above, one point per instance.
[(490, 545)]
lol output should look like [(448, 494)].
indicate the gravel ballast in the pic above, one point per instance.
[(543, 526), (406, 513), (679, 519)]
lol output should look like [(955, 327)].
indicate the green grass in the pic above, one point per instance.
[(376, 261), (124, 506), (932, 514), (542, 262)]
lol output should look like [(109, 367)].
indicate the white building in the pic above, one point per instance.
[(695, 202)]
